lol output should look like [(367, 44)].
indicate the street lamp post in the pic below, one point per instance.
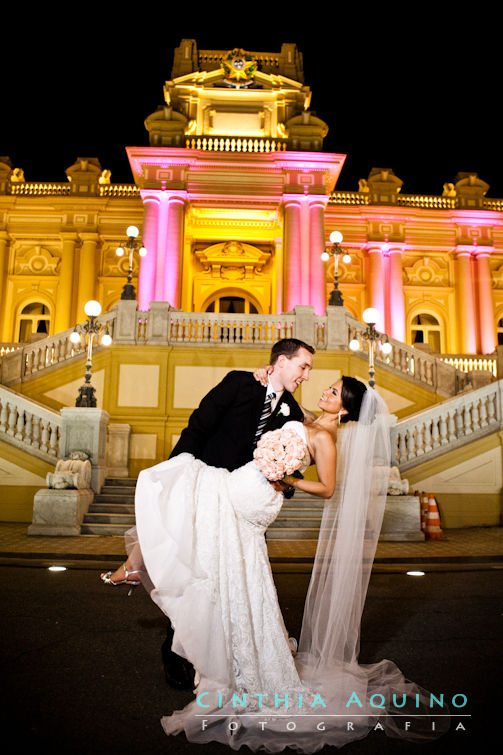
[(374, 340), (91, 328), (132, 244), (336, 251)]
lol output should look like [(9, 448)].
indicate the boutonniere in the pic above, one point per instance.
[(284, 409)]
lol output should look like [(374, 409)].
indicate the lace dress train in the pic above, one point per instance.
[(201, 531)]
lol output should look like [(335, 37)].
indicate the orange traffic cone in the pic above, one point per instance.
[(433, 529), (423, 503)]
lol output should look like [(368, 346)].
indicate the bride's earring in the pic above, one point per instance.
[(340, 415)]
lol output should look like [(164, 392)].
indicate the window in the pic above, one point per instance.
[(230, 305), (499, 331), (425, 328), (34, 322)]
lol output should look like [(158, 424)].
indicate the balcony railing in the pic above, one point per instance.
[(423, 201), (235, 144), (42, 189)]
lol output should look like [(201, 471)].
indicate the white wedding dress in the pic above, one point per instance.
[(201, 531)]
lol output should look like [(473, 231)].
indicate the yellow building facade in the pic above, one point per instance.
[(236, 201)]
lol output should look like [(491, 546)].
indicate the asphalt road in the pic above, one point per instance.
[(82, 670)]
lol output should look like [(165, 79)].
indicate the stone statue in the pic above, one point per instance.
[(397, 486), (74, 472)]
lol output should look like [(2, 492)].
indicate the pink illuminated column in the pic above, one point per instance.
[(396, 326), (146, 281), (173, 249), (467, 339), (292, 253), (317, 288), (485, 302), (376, 283)]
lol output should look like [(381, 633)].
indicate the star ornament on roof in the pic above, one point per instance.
[(239, 68)]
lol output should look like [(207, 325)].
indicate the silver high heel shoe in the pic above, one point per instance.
[(106, 578)]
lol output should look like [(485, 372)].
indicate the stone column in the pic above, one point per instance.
[(375, 283), (125, 322), (117, 455), (317, 288), (465, 300), (63, 319), (146, 278), (304, 323), (396, 326), (487, 330), (174, 248), (4, 251), (87, 273), (292, 253)]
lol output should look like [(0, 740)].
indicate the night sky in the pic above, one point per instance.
[(416, 93)]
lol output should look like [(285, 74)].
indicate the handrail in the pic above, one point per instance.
[(418, 365), (29, 425), (446, 426), (469, 362), (164, 325), (31, 358)]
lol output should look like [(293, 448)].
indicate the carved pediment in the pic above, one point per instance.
[(232, 260), (426, 271), (36, 260)]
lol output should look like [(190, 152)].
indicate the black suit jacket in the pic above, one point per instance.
[(221, 431)]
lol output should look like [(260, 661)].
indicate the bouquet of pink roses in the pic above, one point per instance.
[(279, 452)]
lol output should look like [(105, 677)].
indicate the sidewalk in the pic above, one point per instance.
[(471, 548)]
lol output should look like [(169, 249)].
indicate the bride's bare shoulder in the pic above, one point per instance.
[(319, 437)]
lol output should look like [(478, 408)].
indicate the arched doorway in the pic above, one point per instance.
[(232, 305)]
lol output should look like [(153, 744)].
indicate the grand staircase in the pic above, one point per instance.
[(299, 519), (112, 512)]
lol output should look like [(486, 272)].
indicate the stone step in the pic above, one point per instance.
[(298, 502), (291, 533), (118, 489), (104, 529), (113, 498), (121, 481), (126, 519), (308, 511), (111, 508), (296, 522)]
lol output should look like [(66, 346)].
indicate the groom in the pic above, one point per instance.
[(224, 429)]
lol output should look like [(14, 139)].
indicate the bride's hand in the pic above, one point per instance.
[(261, 374)]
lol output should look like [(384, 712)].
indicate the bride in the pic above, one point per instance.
[(202, 555)]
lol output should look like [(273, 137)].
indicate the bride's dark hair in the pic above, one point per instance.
[(352, 394)]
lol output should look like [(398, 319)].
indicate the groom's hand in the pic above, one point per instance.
[(283, 487), (279, 486)]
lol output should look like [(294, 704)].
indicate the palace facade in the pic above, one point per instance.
[(236, 201)]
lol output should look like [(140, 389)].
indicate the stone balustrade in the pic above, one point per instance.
[(164, 325), (471, 362), (29, 425), (420, 366), (448, 425), (28, 360)]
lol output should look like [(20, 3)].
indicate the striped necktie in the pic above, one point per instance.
[(266, 413)]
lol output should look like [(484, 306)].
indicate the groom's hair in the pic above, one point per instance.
[(289, 347)]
